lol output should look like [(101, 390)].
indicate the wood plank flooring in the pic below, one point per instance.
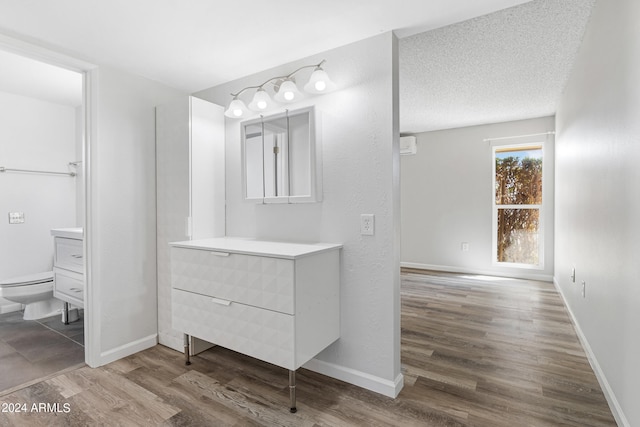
[(475, 352)]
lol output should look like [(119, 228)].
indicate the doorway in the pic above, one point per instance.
[(47, 152)]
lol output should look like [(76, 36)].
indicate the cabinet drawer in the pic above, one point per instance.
[(68, 254), (264, 334), (69, 289), (254, 280)]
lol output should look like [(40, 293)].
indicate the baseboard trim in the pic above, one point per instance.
[(352, 376), (451, 269), (361, 379), (614, 405), (128, 349)]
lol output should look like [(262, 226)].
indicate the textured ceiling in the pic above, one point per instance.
[(196, 44), (509, 65)]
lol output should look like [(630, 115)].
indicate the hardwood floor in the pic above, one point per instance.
[(475, 352), (500, 352)]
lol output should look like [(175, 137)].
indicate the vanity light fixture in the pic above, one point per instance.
[(236, 108), (285, 91), (261, 101), (319, 82)]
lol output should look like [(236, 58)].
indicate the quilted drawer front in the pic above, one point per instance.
[(69, 254), (263, 334), (254, 280)]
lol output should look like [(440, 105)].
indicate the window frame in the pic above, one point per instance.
[(495, 147)]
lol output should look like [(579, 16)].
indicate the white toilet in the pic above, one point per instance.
[(35, 291)]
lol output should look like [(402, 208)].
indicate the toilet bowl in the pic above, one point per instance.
[(35, 291)]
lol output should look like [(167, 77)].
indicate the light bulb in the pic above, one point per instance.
[(236, 109), (261, 101), (288, 91), (319, 82)]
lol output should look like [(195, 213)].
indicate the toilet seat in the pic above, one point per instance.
[(34, 292), (30, 279)]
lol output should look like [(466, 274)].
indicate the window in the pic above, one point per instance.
[(517, 206)]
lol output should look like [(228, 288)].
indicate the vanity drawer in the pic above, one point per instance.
[(264, 334), (259, 281), (68, 254), (69, 288)]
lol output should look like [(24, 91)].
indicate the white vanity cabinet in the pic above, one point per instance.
[(277, 302), (68, 266)]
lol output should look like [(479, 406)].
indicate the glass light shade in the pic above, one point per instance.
[(261, 101), (236, 109), (288, 92), (319, 82)]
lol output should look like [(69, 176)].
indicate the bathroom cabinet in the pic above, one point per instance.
[(282, 158), (277, 302), (68, 266), (190, 189)]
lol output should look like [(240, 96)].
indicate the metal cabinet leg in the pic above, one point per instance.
[(65, 315), (186, 350), (292, 392)]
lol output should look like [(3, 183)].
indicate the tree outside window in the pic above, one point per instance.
[(517, 204)]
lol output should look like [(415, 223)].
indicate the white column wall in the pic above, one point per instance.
[(122, 217), (359, 131), (597, 203)]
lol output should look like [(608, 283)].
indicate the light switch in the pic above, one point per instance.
[(16, 217)]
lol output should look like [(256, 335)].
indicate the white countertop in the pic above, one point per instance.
[(257, 247), (69, 233)]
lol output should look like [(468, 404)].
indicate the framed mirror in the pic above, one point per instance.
[(281, 158)]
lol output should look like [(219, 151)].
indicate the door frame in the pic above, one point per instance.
[(89, 76)]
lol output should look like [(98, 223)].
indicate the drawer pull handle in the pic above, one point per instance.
[(76, 256), (75, 289), (221, 301), (220, 253)]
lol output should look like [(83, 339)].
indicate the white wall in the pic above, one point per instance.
[(122, 222), (34, 135), (359, 126), (447, 198), (597, 199)]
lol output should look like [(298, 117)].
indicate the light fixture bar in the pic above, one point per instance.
[(285, 84), (288, 76)]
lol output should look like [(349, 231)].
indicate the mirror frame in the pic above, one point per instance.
[(315, 159)]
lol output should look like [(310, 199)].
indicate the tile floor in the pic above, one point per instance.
[(33, 349)]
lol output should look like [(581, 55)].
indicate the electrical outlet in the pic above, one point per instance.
[(464, 246), (367, 224), (16, 217), (584, 289)]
